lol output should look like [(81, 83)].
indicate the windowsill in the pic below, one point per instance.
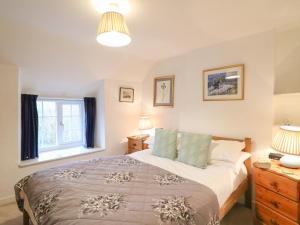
[(59, 154)]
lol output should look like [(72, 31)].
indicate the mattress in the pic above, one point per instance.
[(219, 177)]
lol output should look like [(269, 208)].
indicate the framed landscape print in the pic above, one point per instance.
[(224, 83), (126, 94), (164, 91)]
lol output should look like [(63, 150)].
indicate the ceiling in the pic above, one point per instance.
[(56, 39)]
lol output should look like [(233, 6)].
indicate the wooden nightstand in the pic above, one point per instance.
[(136, 143), (277, 195)]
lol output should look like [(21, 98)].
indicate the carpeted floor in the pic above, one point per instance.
[(239, 215)]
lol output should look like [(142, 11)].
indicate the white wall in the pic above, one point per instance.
[(8, 127), (287, 66), (287, 109), (251, 117), (287, 77), (121, 118)]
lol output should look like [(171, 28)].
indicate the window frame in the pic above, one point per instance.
[(60, 145)]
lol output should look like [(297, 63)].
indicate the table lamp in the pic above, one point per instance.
[(145, 123), (287, 141)]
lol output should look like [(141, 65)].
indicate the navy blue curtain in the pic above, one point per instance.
[(90, 121), (29, 127)]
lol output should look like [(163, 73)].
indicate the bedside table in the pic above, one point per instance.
[(277, 195), (136, 143)]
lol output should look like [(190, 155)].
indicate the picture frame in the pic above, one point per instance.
[(164, 91), (126, 94), (224, 83)]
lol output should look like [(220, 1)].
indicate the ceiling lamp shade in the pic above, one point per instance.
[(113, 31), (287, 140)]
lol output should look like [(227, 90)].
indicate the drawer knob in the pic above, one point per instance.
[(275, 204), (274, 185), (134, 144), (273, 222)]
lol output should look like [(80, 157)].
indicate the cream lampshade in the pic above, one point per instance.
[(287, 140), (145, 123), (113, 31)]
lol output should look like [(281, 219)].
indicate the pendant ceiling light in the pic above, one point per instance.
[(112, 30)]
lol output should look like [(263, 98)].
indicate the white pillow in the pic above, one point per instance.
[(228, 151), (237, 166)]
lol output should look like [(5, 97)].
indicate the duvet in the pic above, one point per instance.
[(115, 191)]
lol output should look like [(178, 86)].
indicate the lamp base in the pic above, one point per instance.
[(290, 161)]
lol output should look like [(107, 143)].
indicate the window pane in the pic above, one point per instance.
[(47, 132), (66, 129), (67, 136), (50, 131), (76, 134), (60, 123), (47, 124), (66, 110), (39, 108), (72, 123), (76, 123), (49, 108), (75, 110), (40, 137), (67, 123)]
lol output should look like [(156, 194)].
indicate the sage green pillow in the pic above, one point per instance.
[(165, 144), (194, 149)]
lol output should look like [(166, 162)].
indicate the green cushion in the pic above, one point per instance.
[(165, 143), (194, 149)]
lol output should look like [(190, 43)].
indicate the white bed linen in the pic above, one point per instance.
[(220, 177)]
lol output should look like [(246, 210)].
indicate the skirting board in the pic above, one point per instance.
[(7, 200)]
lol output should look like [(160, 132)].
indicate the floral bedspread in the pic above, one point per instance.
[(116, 191)]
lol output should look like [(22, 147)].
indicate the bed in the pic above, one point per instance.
[(135, 189)]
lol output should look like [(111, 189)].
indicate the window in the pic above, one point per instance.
[(60, 124)]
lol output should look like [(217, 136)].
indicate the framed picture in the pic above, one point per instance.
[(224, 83), (126, 94), (164, 91)]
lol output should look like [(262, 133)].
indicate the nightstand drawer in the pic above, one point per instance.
[(277, 202), (277, 183), (137, 145), (270, 217)]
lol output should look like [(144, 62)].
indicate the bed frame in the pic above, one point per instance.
[(245, 187)]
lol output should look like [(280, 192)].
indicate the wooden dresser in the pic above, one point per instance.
[(137, 143), (277, 195)]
